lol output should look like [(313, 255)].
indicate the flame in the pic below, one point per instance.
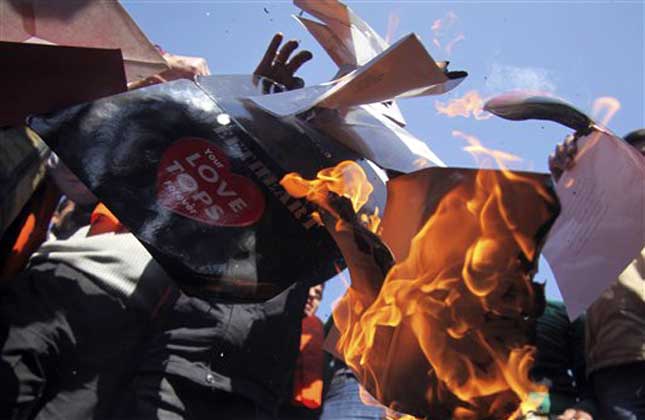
[(347, 179), (396, 416), (471, 104), (483, 155), (607, 107), (440, 24), (458, 293), (436, 26), (441, 29), (372, 221), (393, 21), (451, 45)]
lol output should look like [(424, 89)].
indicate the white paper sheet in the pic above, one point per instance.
[(293, 101), (348, 43), (403, 67), (351, 33), (601, 227)]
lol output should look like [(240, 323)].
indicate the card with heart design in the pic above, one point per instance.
[(197, 181), (194, 179)]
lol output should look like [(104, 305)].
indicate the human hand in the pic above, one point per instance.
[(575, 414), (184, 67), (563, 157), (179, 67), (274, 64)]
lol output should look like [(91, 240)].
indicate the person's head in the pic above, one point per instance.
[(313, 300), (637, 139)]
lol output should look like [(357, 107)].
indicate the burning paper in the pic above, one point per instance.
[(438, 323)]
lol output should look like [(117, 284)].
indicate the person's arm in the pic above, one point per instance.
[(277, 64), (179, 67), (35, 341)]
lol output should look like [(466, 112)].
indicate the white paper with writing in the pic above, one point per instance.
[(601, 227)]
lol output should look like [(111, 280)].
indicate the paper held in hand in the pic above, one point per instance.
[(601, 227)]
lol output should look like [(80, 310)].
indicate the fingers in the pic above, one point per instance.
[(202, 68), (570, 150), (285, 52), (554, 167), (279, 67), (184, 67), (563, 157), (267, 61), (298, 60), (298, 83)]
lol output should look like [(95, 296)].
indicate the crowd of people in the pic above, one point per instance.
[(91, 326)]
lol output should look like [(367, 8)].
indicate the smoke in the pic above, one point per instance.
[(504, 78)]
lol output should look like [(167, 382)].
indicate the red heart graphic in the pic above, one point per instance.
[(194, 180)]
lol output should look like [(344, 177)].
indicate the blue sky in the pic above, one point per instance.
[(578, 51)]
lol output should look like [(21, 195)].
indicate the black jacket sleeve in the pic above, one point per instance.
[(35, 340)]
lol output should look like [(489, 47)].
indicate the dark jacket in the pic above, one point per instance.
[(95, 329)]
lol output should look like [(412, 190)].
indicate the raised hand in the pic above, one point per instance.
[(279, 67)]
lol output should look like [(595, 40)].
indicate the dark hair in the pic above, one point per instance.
[(635, 136)]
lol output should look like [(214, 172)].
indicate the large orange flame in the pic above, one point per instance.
[(471, 104), (460, 298)]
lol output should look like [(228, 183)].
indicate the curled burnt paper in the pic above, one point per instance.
[(449, 331)]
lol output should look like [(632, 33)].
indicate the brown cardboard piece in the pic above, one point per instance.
[(43, 78), (81, 23)]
